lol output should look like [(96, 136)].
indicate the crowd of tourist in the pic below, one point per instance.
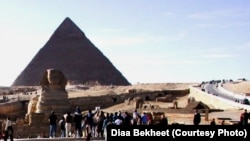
[(94, 123)]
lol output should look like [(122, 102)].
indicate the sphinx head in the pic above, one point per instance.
[(53, 79)]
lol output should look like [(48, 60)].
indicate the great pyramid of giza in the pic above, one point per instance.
[(70, 51)]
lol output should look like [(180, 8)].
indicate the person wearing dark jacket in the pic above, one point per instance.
[(213, 122), (245, 117), (197, 117), (78, 122), (52, 124)]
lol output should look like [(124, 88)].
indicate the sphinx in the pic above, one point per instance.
[(52, 95)]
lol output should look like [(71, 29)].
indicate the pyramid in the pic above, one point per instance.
[(70, 51)]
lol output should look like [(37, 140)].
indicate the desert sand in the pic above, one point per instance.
[(238, 87)]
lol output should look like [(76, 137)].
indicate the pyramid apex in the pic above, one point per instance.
[(67, 19), (68, 29)]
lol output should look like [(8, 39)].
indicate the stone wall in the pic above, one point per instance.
[(105, 101), (90, 102), (11, 107)]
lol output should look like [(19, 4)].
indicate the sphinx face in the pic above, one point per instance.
[(54, 77)]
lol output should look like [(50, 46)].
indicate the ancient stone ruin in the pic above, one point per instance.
[(52, 96)]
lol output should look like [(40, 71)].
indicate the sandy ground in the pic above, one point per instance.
[(102, 90), (238, 87), (172, 117), (229, 115), (175, 117)]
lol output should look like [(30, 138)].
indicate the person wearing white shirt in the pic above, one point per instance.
[(118, 121), (8, 130)]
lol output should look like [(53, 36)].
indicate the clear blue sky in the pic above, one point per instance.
[(148, 41)]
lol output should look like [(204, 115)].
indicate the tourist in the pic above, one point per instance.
[(245, 117), (107, 121), (88, 130), (8, 130), (197, 117), (135, 114), (213, 122), (138, 120), (163, 120), (126, 118), (144, 118), (78, 122), (150, 118), (99, 120), (52, 124), (90, 120), (83, 127), (119, 120), (68, 124), (62, 127)]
